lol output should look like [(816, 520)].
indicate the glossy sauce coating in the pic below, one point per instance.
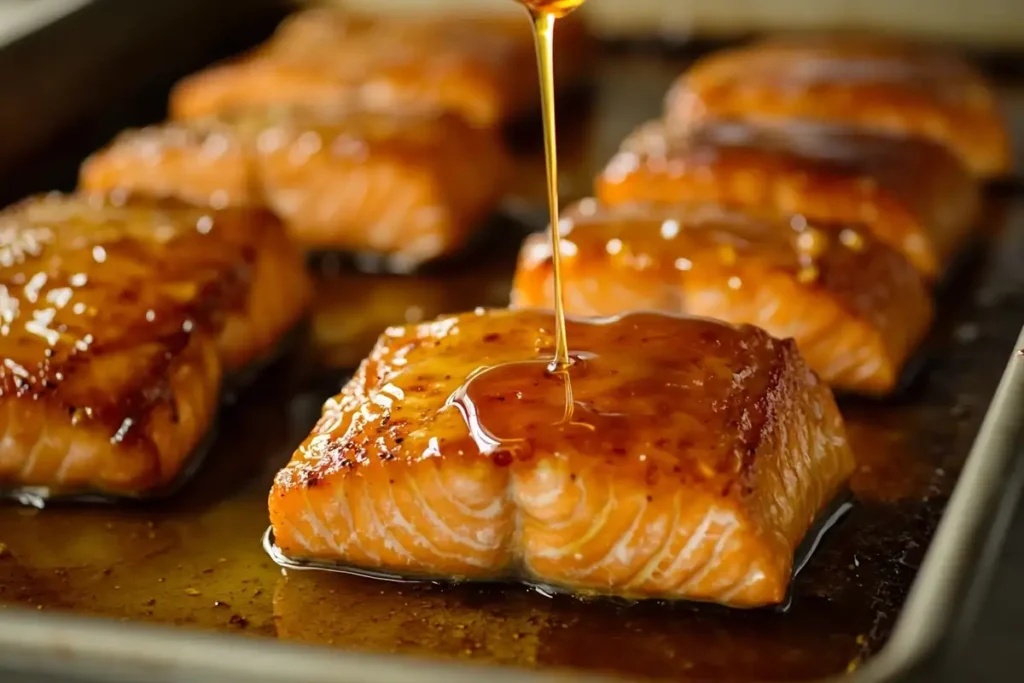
[(119, 319), (655, 483), (341, 177), (74, 270), (912, 194), (478, 67), (110, 373), (856, 308), (868, 83)]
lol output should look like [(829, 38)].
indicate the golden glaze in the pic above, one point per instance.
[(685, 429), (109, 377), (342, 177), (856, 308), (477, 67), (867, 83), (543, 14), (554, 8), (116, 321), (914, 195)]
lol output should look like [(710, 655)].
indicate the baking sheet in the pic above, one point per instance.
[(195, 562)]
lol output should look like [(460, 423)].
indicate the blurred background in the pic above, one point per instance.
[(991, 22)]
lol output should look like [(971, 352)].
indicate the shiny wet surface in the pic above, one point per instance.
[(196, 561)]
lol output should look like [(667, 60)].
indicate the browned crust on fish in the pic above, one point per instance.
[(914, 195), (481, 68), (87, 445), (116, 319), (412, 185), (856, 308), (873, 84)]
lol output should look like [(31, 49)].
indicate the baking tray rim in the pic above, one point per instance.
[(76, 644)]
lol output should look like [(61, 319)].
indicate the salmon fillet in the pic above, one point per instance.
[(340, 178), (912, 194), (109, 368), (410, 186), (279, 294), (206, 163), (481, 68), (273, 290), (856, 308), (694, 459), (867, 83)]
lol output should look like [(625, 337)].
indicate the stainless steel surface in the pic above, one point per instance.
[(971, 517)]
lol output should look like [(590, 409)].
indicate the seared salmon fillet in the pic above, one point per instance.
[(413, 186), (856, 308), (278, 296), (692, 458), (206, 163), (868, 83), (912, 194), (109, 363), (481, 68), (274, 289)]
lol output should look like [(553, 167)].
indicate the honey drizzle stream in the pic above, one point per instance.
[(544, 14), (544, 36)]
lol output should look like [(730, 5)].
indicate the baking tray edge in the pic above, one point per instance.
[(975, 519)]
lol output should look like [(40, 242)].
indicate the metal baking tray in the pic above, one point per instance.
[(181, 590)]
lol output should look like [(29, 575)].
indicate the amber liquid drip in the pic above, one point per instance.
[(544, 36)]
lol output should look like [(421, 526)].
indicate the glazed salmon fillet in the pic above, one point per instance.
[(279, 290), (109, 362), (856, 308), (274, 291), (873, 84), (694, 459), (208, 163), (480, 68), (339, 178), (912, 194)]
